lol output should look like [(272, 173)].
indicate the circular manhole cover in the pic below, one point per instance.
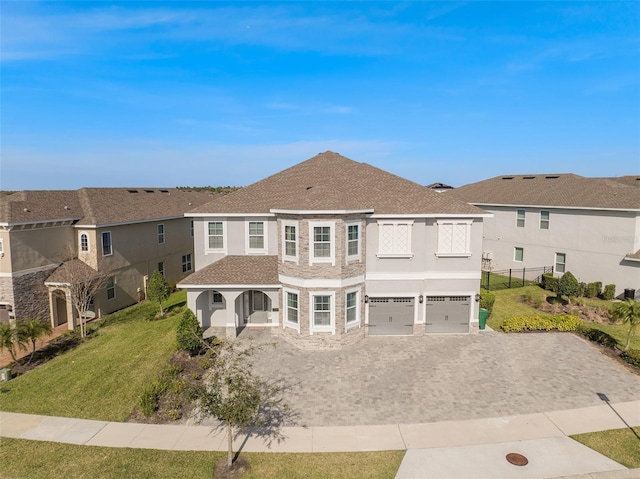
[(517, 459)]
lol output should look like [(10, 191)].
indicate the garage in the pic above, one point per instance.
[(391, 316), (448, 314)]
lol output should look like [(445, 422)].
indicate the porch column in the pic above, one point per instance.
[(71, 320), (231, 317), (53, 312)]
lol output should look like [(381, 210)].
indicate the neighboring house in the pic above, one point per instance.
[(331, 250), (50, 237), (589, 226), (439, 187)]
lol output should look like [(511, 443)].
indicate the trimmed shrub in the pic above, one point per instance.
[(593, 289), (598, 336), (609, 292), (550, 282), (189, 334), (632, 356), (487, 298), (583, 290), (561, 322), (150, 396), (568, 285)]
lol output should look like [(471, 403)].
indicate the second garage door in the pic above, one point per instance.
[(448, 314), (391, 316)]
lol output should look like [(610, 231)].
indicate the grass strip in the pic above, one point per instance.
[(621, 445)]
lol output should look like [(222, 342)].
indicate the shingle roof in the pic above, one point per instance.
[(561, 190), (72, 270), (330, 182), (259, 270), (635, 255), (98, 206)]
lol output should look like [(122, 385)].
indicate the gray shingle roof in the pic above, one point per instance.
[(72, 270), (258, 270), (560, 190), (98, 206), (332, 182)]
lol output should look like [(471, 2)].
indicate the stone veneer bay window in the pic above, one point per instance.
[(352, 308), (322, 306), (353, 241), (321, 242), (290, 241)]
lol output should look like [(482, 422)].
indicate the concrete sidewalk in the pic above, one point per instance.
[(451, 449)]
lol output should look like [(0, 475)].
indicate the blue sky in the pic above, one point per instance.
[(216, 93)]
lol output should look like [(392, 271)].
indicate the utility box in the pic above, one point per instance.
[(5, 374), (629, 293)]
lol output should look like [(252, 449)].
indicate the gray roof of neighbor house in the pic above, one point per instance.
[(98, 206), (258, 270), (549, 190), (331, 182)]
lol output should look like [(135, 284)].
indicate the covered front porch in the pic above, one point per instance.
[(234, 293)]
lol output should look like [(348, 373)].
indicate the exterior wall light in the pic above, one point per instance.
[(366, 298), (421, 299), (477, 297)]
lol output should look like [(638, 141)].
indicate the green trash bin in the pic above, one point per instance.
[(482, 316)]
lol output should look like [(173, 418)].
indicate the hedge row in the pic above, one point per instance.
[(589, 290), (561, 322), (487, 298)]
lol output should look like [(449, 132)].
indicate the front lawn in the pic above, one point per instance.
[(621, 445), (103, 377), (509, 303), (35, 459)]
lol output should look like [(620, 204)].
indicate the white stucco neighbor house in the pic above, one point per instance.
[(589, 226), (332, 250)]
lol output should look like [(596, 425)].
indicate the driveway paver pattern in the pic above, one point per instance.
[(400, 380)]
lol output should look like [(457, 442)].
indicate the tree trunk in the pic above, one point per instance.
[(230, 444), (161, 311), (626, 346)]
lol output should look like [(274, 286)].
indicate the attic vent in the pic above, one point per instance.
[(507, 177), (148, 191), (132, 191), (552, 177), (528, 177)]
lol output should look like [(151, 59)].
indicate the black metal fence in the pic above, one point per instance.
[(513, 278)]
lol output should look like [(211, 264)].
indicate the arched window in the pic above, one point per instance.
[(84, 242)]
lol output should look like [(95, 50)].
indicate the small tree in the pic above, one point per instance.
[(625, 312), (158, 289), (10, 339), (32, 330), (568, 286), (189, 333), (233, 394)]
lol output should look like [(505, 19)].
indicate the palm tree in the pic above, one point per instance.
[(10, 339), (32, 330), (627, 312)]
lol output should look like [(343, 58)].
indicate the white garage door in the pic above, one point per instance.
[(448, 314)]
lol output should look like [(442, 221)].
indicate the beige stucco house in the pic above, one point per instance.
[(49, 237), (589, 226), (331, 250)]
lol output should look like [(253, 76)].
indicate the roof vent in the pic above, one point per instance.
[(164, 191), (132, 191), (309, 187), (552, 177), (528, 177), (507, 177), (27, 210), (148, 191), (66, 207)]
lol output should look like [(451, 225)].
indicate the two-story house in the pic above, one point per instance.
[(589, 226), (49, 238), (331, 250)]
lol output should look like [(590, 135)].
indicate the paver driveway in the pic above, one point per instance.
[(391, 380)]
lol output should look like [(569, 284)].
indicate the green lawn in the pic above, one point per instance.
[(35, 459), (621, 445), (102, 378), (509, 304)]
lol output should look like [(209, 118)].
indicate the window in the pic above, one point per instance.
[(106, 243), (256, 235), (292, 307), (216, 298), (111, 288), (518, 254), (560, 263), (353, 241), (161, 268), (216, 235), (84, 242), (394, 238), (160, 234), (290, 245), (186, 263), (191, 228), (351, 314), (454, 238), (322, 247), (322, 311), (544, 220), (520, 218)]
